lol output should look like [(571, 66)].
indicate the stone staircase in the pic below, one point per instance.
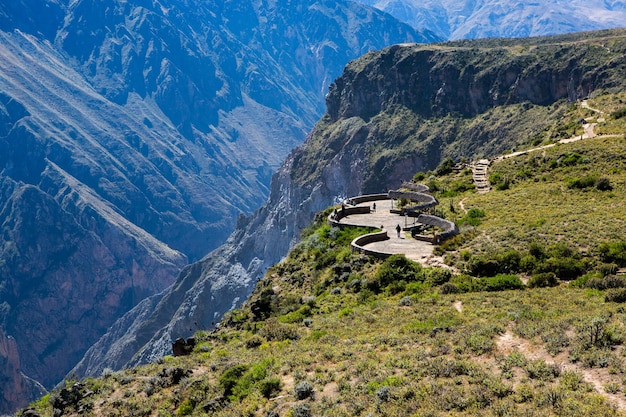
[(480, 175)]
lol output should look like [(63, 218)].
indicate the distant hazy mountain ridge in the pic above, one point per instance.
[(471, 19)]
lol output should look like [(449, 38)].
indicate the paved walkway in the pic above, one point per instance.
[(413, 249)]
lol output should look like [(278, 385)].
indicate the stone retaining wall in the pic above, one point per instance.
[(358, 243), (449, 228), (425, 200), (333, 220), (368, 197), (418, 188)]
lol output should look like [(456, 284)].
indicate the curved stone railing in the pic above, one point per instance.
[(335, 217), (346, 210), (418, 188), (358, 244), (425, 200), (449, 228), (368, 197)]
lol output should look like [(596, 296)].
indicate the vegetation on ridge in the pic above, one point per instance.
[(329, 332)]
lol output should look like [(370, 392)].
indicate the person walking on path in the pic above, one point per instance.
[(398, 230)]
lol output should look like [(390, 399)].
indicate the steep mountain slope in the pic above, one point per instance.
[(329, 331), (491, 18), (132, 135), (391, 114)]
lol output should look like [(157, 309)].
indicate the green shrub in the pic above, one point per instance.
[(618, 114), (437, 276), (581, 282), (546, 279), (539, 369), (444, 167), (565, 268), (449, 288), (397, 268), (473, 217), (464, 283), (607, 282), (570, 159), (230, 378), (483, 267), (303, 390), (273, 330), (613, 252), (608, 269), (500, 282), (301, 410), (615, 295), (581, 183), (603, 184), (269, 387), (297, 316), (185, 408)]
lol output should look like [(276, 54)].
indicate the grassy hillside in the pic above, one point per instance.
[(329, 332)]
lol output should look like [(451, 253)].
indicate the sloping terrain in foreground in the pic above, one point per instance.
[(330, 332)]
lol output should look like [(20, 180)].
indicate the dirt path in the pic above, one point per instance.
[(588, 133), (598, 378), (462, 205)]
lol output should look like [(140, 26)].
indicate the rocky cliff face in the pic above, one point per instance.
[(132, 135), (392, 113), (15, 385)]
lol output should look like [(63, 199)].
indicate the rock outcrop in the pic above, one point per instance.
[(16, 387)]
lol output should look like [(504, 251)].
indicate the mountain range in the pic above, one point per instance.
[(523, 313), (135, 135), (132, 136), (471, 19)]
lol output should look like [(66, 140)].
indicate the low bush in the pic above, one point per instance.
[(615, 295), (607, 282), (546, 279), (449, 288), (473, 217), (303, 390), (269, 387), (230, 378), (396, 268), (495, 263), (565, 268), (613, 252), (275, 331), (499, 283), (603, 184), (581, 183)]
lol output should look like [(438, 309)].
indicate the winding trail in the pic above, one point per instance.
[(480, 178), (597, 377)]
